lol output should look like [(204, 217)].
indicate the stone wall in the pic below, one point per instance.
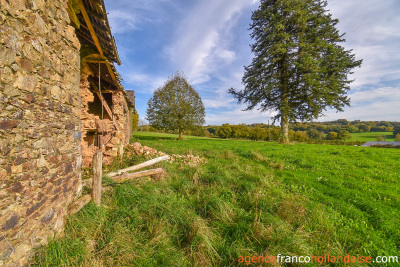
[(40, 153), (121, 112)]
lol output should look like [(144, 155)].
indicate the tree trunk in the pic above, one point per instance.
[(285, 128), (180, 134)]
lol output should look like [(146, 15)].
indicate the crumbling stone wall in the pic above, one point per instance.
[(122, 114), (94, 129), (40, 153)]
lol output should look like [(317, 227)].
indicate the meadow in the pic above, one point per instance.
[(249, 199), (371, 136)]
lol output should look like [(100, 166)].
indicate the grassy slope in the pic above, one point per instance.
[(251, 198), (371, 136)]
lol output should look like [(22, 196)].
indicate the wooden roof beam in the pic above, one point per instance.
[(90, 27), (96, 40)]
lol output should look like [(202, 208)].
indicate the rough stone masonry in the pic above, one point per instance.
[(40, 153)]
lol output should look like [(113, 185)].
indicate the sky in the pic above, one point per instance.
[(209, 41)]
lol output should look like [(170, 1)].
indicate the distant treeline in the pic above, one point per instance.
[(338, 130)]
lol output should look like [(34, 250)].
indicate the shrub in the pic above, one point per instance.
[(397, 138), (343, 135), (332, 136)]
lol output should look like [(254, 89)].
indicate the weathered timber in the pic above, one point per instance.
[(105, 105), (97, 173), (155, 173), (78, 204), (138, 166), (121, 151)]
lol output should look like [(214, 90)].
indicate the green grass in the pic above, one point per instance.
[(249, 199), (371, 136)]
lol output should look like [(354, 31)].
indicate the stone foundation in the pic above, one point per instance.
[(40, 138)]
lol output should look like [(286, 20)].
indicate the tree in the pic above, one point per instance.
[(332, 136), (134, 120), (313, 134), (225, 131), (175, 106), (396, 130), (299, 69), (343, 135)]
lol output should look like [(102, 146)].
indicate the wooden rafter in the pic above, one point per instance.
[(96, 40), (90, 27)]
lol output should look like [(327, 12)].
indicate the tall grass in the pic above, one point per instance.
[(249, 199)]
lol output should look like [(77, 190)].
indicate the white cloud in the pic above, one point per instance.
[(209, 42), (201, 44), (144, 83), (375, 104), (219, 99), (122, 21), (377, 96), (238, 116), (373, 33)]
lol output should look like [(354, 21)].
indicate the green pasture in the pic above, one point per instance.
[(248, 199), (371, 136)]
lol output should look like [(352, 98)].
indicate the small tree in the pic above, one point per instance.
[(313, 134), (299, 69), (175, 106), (343, 135), (396, 130), (332, 136), (134, 120), (397, 138)]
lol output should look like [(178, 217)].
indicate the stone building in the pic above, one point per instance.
[(61, 99)]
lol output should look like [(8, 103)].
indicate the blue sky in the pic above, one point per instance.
[(209, 42)]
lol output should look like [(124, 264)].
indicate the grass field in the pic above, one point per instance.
[(249, 199), (371, 136)]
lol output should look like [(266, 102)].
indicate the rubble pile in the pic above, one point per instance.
[(145, 151), (148, 152)]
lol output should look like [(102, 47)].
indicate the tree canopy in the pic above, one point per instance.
[(299, 68), (175, 106)]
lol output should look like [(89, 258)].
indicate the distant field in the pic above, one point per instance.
[(371, 136), (249, 199)]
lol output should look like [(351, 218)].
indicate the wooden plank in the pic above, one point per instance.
[(104, 103), (94, 58), (121, 151), (138, 166), (90, 27), (97, 175), (112, 73), (156, 173), (96, 40)]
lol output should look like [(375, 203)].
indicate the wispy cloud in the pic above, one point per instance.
[(201, 45), (144, 83), (373, 33), (209, 41), (374, 104), (123, 21)]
